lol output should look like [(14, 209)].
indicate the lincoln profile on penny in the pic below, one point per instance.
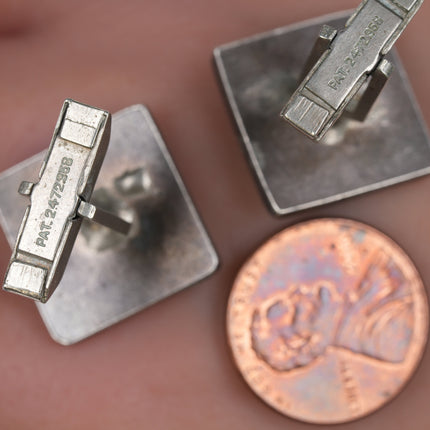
[(293, 328)]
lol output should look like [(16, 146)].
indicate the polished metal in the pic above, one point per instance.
[(58, 201), (93, 213), (258, 74), (377, 82), (111, 276), (351, 59), (323, 42)]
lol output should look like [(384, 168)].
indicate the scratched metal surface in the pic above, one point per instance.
[(259, 74), (104, 284)]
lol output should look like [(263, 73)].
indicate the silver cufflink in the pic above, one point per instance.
[(141, 238), (60, 201), (329, 90), (342, 63)]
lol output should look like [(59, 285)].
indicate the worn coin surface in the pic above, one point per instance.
[(328, 320)]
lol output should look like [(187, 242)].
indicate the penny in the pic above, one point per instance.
[(328, 321)]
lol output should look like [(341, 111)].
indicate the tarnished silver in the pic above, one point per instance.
[(59, 202), (347, 62), (258, 75), (111, 276), (93, 213)]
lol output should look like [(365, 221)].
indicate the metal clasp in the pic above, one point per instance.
[(342, 63), (59, 202)]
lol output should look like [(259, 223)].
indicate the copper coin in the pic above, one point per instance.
[(328, 320)]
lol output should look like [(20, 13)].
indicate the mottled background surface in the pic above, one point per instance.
[(169, 367)]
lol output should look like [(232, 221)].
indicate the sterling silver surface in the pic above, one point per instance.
[(348, 63), (53, 218), (110, 276), (259, 74)]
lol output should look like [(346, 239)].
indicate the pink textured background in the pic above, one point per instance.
[(169, 367)]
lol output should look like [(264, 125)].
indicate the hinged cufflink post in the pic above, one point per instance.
[(155, 244), (379, 138), (59, 202), (340, 64)]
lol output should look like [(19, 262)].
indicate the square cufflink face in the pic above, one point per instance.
[(259, 75), (109, 276)]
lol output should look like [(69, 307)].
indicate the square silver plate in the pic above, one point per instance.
[(260, 73), (104, 285)]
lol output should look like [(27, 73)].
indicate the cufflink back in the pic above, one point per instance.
[(342, 63), (146, 242), (331, 89), (59, 202)]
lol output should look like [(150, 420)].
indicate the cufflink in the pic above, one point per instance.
[(345, 90), (343, 63), (141, 238)]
